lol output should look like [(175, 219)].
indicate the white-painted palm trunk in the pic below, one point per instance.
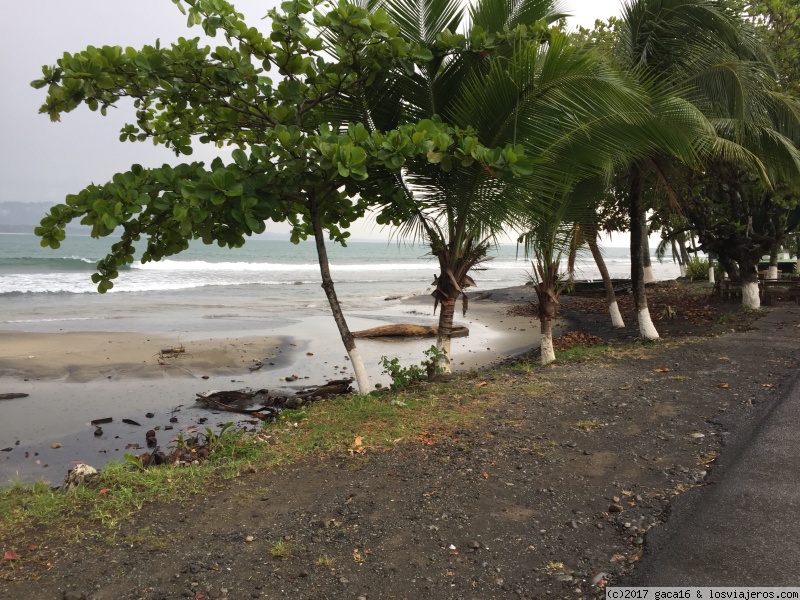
[(682, 267), (648, 274), (711, 272), (772, 272), (362, 379), (797, 265), (548, 352), (750, 297), (647, 330), (616, 316), (443, 345)]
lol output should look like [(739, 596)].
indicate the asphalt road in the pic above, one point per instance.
[(744, 528)]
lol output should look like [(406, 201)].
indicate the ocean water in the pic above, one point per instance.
[(271, 277)]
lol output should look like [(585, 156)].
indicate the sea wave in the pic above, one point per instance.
[(201, 265), (51, 263)]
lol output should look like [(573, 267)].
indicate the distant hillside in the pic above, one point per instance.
[(22, 217)]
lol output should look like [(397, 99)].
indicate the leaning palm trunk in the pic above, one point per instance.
[(647, 330), (327, 284), (611, 297)]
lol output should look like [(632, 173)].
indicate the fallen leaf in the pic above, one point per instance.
[(55, 446), (662, 370), (481, 384), (627, 493), (766, 385), (485, 475), (104, 491), (358, 441), (10, 555), (723, 386)]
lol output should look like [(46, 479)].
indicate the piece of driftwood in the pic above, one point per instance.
[(12, 396), (224, 400), (103, 421), (408, 330), (332, 388)]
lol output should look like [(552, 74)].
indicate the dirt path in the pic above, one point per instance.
[(552, 492)]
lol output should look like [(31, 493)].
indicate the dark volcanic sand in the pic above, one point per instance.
[(523, 505)]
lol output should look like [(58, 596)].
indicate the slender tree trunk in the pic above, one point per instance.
[(678, 257), (611, 297), (772, 272), (646, 262), (647, 330), (547, 314), (711, 268), (327, 284), (447, 311)]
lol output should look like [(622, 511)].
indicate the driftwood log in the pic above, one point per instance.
[(12, 396), (336, 387), (407, 330)]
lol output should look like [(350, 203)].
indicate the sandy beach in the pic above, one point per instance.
[(75, 376)]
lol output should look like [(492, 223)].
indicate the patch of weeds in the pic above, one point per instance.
[(325, 561), (402, 377), (707, 458), (283, 549), (581, 353), (588, 425), (554, 566)]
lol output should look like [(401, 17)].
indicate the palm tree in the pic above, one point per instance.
[(540, 91), (705, 70)]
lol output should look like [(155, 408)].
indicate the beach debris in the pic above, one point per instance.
[(102, 421), (10, 555), (335, 387), (226, 400), (149, 415), (13, 396), (150, 436), (172, 352), (55, 445), (408, 330), (98, 432), (131, 422), (79, 475), (257, 364)]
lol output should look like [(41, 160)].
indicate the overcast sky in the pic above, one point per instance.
[(44, 161)]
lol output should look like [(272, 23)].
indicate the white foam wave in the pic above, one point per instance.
[(200, 265)]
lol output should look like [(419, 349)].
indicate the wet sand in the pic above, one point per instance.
[(76, 376)]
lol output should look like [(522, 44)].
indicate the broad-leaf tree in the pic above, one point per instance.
[(292, 161)]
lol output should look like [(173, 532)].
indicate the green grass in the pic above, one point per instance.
[(347, 427), (332, 427)]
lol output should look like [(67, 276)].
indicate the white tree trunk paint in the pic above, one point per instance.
[(548, 353), (750, 298), (683, 269), (797, 265), (648, 274), (362, 379), (772, 272), (647, 330), (444, 358), (711, 273), (616, 316)]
